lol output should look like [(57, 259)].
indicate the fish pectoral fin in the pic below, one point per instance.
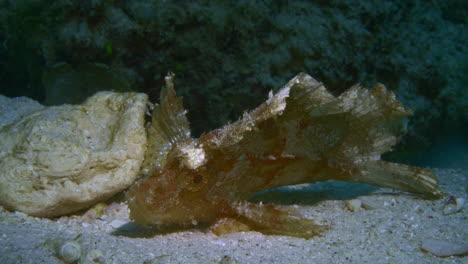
[(226, 226), (276, 220), (296, 227)]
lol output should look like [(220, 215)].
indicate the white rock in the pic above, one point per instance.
[(65, 158), (444, 248), (460, 202), (354, 205), (453, 205)]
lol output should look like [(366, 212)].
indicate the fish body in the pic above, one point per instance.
[(301, 134)]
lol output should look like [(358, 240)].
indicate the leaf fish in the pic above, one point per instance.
[(301, 134)]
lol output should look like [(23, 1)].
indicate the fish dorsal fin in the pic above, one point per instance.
[(169, 126), (305, 91)]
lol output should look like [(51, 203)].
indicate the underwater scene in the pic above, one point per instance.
[(249, 131)]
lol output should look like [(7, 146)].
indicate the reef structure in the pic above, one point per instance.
[(300, 134)]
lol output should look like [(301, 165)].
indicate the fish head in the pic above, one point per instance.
[(176, 194)]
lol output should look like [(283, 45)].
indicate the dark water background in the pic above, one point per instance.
[(227, 55)]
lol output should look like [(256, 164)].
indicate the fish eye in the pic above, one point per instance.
[(197, 179)]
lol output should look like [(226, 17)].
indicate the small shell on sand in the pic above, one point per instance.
[(70, 251)]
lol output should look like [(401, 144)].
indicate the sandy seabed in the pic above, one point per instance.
[(389, 228)]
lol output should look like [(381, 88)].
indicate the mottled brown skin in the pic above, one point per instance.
[(301, 134)]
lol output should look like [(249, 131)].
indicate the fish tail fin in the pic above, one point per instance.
[(399, 176)]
